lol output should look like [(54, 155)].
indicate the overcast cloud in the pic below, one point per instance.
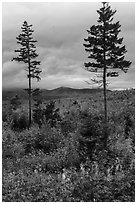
[(60, 29)]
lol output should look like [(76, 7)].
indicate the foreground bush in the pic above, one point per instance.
[(49, 114), (46, 139), (11, 146), (19, 120), (86, 185), (67, 162)]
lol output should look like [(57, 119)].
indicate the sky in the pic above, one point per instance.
[(60, 29)]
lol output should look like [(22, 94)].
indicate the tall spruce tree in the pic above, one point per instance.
[(106, 52), (27, 54)]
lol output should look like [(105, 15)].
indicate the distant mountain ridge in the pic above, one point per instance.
[(68, 90), (59, 92)]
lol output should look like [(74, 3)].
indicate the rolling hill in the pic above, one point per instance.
[(61, 92)]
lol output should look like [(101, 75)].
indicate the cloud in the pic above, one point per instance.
[(10, 69), (60, 29), (76, 81), (55, 66)]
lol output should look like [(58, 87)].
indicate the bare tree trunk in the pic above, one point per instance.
[(105, 107), (29, 99), (105, 94), (29, 85)]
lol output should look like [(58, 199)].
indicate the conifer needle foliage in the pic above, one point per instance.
[(106, 52), (27, 54)]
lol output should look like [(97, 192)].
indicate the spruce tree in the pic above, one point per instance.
[(27, 54), (105, 51)]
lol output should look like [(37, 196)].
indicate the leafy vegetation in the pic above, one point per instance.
[(64, 159)]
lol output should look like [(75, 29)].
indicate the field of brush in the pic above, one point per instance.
[(61, 157)]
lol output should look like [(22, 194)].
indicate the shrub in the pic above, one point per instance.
[(70, 121), (35, 186), (129, 124), (123, 148), (67, 154), (67, 126), (28, 188), (38, 113), (46, 139), (4, 116), (11, 147), (50, 114), (8, 140), (91, 131), (67, 162), (19, 120), (59, 155), (49, 138), (15, 102)]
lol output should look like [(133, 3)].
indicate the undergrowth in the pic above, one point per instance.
[(64, 159)]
